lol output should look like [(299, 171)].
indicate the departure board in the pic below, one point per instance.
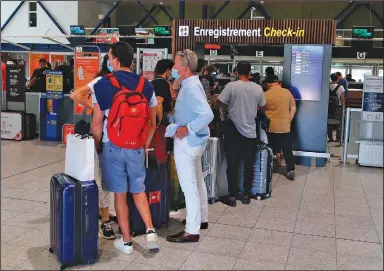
[(307, 72)]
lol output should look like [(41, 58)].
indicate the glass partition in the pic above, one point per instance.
[(358, 72)]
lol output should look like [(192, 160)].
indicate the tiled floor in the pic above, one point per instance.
[(329, 218)]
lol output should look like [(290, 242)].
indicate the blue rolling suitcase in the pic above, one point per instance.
[(262, 176), (74, 220), (157, 184)]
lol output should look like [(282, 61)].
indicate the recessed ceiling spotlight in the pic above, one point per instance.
[(161, 3), (261, 2)]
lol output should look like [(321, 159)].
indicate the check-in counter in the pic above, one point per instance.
[(33, 106)]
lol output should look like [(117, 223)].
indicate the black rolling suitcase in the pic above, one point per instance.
[(29, 126)]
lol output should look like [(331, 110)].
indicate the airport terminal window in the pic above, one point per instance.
[(358, 72), (380, 72), (32, 14)]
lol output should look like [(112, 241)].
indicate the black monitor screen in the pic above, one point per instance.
[(162, 30), (363, 32), (307, 72), (77, 30)]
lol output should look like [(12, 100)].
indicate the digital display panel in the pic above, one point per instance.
[(307, 72), (363, 32), (77, 30), (162, 30)]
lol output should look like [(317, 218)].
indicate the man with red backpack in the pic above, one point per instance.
[(123, 125)]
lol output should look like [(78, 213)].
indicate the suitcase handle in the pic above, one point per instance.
[(146, 156)]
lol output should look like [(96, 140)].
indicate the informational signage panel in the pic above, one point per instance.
[(187, 33), (373, 98), (86, 68), (54, 84), (150, 57), (149, 63), (306, 72), (16, 83)]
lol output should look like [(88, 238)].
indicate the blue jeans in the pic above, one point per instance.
[(123, 170)]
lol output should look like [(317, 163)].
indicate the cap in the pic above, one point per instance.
[(271, 79)]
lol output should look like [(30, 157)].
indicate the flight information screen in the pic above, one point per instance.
[(307, 72)]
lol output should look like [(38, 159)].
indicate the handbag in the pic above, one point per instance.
[(80, 157)]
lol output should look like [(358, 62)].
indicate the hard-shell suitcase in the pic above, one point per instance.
[(213, 161), (262, 176), (157, 189), (74, 220), (18, 125)]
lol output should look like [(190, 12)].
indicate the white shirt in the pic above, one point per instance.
[(338, 92)]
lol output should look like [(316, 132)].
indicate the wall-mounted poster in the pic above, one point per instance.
[(86, 68)]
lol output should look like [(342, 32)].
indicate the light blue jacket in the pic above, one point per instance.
[(192, 108)]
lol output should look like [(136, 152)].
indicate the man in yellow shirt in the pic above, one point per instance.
[(280, 108)]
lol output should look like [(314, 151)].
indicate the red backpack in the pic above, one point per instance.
[(128, 118)]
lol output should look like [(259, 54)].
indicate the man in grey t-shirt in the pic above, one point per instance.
[(243, 98)]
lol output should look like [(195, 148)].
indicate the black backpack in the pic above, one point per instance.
[(333, 102)]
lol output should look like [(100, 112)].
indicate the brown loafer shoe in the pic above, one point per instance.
[(180, 238)]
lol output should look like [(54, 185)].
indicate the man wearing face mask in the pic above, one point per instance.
[(118, 165), (190, 131), (161, 85)]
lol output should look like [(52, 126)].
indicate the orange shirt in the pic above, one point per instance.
[(279, 101)]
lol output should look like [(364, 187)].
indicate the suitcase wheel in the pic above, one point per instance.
[(211, 201), (50, 250), (63, 267), (258, 198), (267, 195)]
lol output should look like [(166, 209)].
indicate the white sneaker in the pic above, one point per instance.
[(122, 247), (152, 240)]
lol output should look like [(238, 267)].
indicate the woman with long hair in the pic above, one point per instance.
[(82, 96)]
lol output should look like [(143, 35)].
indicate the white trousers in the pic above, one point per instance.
[(189, 171)]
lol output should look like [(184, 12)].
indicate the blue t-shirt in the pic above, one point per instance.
[(104, 92), (344, 83)]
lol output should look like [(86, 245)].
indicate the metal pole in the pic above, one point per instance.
[(346, 136), (342, 126)]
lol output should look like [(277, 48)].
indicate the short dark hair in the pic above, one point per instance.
[(338, 73), (200, 65), (271, 78), (104, 67), (269, 70), (243, 67), (334, 77), (163, 65), (43, 60), (123, 52)]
